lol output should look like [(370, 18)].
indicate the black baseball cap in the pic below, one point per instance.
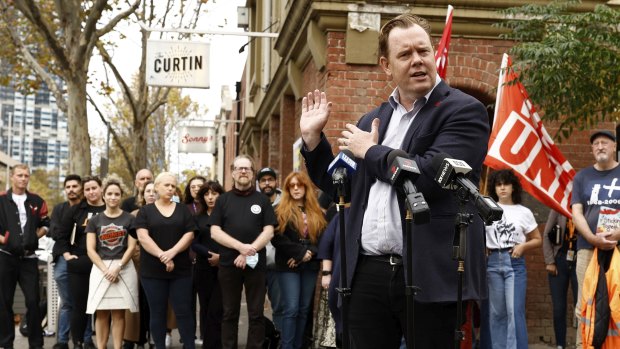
[(603, 133), (266, 171)]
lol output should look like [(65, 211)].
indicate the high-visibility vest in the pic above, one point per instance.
[(588, 302)]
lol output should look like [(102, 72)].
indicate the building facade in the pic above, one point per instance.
[(33, 129)]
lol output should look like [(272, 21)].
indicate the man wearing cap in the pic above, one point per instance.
[(594, 188), (267, 184)]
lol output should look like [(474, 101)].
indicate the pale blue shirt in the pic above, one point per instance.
[(381, 228)]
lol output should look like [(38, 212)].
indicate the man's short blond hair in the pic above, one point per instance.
[(21, 167)]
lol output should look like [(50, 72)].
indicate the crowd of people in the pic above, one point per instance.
[(121, 265), (142, 265)]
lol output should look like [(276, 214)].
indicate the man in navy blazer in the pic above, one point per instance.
[(425, 117)]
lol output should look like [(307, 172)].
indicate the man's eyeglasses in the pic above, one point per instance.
[(267, 180), (243, 169)]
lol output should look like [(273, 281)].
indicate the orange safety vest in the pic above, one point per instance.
[(588, 302)]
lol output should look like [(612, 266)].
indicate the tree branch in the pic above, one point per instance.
[(117, 139), (33, 15), (108, 27), (126, 89), (158, 103), (61, 102)]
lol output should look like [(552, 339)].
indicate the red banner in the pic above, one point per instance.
[(520, 142), (441, 55)]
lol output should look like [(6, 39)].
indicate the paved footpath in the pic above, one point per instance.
[(21, 342)]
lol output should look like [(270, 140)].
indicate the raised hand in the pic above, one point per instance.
[(315, 111)]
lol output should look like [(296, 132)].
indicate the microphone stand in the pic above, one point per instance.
[(459, 251), (410, 290), (343, 290)]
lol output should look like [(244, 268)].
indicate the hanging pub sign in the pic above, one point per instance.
[(177, 64), (194, 139)]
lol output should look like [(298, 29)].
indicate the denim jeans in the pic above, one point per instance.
[(559, 293), (273, 292), (64, 313), (178, 292), (297, 289), (520, 283), (501, 278)]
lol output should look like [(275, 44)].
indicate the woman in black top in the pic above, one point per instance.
[(300, 223), (190, 194), (205, 270), (72, 242), (165, 230)]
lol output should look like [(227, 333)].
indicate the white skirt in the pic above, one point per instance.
[(123, 294)]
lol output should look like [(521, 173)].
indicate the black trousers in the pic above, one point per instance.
[(378, 311), (232, 281), (207, 287), (24, 271), (79, 279)]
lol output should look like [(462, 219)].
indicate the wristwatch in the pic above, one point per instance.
[(326, 272)]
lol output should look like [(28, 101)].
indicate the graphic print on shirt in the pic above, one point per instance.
[(505, 233), (112, 236), (604, 194)]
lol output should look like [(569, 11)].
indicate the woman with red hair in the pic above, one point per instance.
[(300, 223)]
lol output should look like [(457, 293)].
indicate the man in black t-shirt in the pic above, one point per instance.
[(142, 177), (242, 223)]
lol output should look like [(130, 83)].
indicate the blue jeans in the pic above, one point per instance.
[(273, 292), (518, 266), (501, 278), (64, 313), (559, 293), (179, 293), (297, 289)]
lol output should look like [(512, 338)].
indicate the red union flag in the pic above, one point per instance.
[(441, 55), (519, 141)]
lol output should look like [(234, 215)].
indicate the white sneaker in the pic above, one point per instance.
[(168, 340), (198, 341)]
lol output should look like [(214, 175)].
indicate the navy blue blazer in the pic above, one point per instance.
[(450, 122)]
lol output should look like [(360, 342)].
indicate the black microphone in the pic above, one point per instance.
[(341, 166), (404, 172), (450, 174)]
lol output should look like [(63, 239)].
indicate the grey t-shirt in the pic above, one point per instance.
[(112, 234)]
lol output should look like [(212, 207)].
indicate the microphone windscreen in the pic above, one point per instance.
[(344, 159), (396, 153)]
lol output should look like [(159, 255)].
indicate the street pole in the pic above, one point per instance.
[(10, 140)]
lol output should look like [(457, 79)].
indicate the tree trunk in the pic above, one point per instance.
[(77, 120), (139, 143)]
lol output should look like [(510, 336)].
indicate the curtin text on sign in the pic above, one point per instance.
[(177, 64)]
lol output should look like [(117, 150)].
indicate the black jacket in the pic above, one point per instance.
[(56, 225), (76, 215), (16, 242), (289, 245)]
